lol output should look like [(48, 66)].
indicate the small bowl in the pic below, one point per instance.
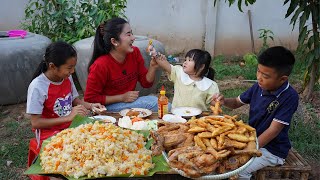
[(17, 33)]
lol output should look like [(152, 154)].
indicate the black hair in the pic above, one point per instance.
[(57, 53), (201, 58), (102, 40), (279, 58)]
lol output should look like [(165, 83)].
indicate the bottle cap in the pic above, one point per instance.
[(162, 91)]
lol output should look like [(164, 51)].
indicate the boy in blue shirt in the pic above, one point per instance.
[(272, 104)]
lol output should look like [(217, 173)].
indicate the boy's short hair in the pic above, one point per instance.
[(279, 58)]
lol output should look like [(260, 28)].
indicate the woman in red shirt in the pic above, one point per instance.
[(116, 67)]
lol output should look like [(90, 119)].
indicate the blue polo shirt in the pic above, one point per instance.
[(266, 107)]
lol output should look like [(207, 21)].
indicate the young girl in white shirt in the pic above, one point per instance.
[(193, 81)]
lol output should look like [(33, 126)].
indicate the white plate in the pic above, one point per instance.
[(102, 117), (186, 111), (142, 112)]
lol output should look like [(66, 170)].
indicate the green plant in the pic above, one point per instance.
[(308, 41), (265, 34), (70, 20), (250, 59)]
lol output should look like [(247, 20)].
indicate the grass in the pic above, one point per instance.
[(14, 148), (305, 137), (230, 68)]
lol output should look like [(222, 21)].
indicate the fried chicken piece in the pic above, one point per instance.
[(157, 146), (165, 127), (204, 160), (188, 142), (173, 154), (132, 113), (211, 168), (189, 169), (232, 163), (173, 140)]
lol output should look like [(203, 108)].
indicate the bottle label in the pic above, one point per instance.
[(162, 110)]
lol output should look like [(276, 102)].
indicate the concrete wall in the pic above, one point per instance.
[(179, 24), (233, 30), (11, 13), (185, 24)]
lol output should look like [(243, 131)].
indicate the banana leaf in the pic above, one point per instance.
[(160, 163)]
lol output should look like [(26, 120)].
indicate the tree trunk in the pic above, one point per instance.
[(308, 91), (314, 73)]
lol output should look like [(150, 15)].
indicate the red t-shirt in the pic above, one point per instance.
[(107, 77), (51, 100)]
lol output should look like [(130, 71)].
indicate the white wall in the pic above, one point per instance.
[(185, 24), (233, 31), (179, 24), (11, 13)]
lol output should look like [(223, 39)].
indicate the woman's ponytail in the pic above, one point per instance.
[(102, 40)]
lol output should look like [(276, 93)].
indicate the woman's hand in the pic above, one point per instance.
[(130, 96)]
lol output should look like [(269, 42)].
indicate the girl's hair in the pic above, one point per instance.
[(201, 58), (57, 53), (102, 40)]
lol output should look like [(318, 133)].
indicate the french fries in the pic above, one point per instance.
[(222, 133), (216, 109)]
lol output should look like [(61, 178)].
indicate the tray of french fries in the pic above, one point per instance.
[(210, 147)]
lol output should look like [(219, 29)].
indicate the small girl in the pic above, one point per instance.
[(52, 95), (193, 81)]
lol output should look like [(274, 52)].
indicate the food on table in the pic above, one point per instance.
[(96, 150), (137, 123), (216, 109), (132, 113), (100, 111), (170, 136), (173, 118), (205, 145)]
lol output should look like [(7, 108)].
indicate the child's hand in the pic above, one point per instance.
[(78, 110), (130, 96), (161, 59), (217, 97), (153, 62)]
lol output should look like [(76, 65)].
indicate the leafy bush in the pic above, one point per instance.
[(250, 59), (70, 20)]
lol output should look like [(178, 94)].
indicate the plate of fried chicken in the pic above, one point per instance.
[(211, 147)]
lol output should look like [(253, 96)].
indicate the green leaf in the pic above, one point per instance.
[(317, 52), (292, 7), (240, 4), (295, 16), (251, 1), (161, 165), (302, 35), (310, 42), (303, 19), (285, 2), (310, 58)]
